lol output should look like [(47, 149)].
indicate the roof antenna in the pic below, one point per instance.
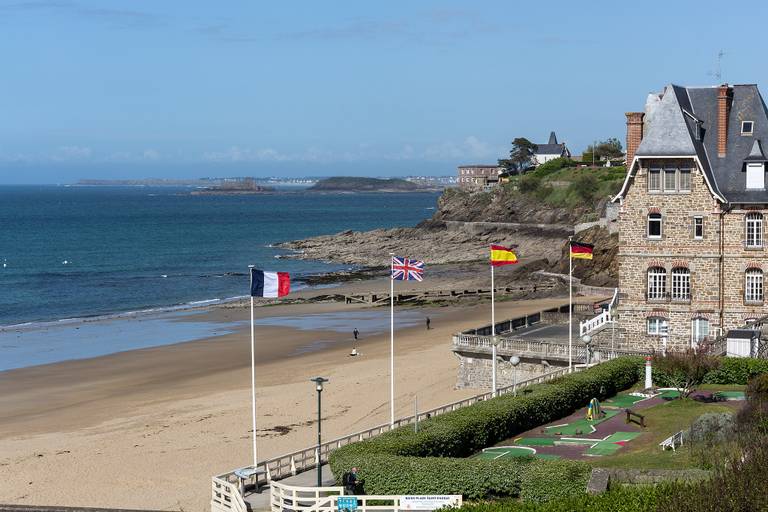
[(718, 72)]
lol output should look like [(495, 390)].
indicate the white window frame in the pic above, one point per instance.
[(657, 326), (655, 171), (681, 284), (698, 222), (751, 128), (753, 226), (657, 283), (698, 332), (754, 291), (669, 171), (684, 172), (755, 176), (660, 220)]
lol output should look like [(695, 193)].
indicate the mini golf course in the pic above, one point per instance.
[(577, 437)]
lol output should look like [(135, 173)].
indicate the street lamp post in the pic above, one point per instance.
[(319, 387), (515, 361)]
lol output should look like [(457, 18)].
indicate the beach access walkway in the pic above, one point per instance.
[(419, 295), (40, 508), (260, 500)]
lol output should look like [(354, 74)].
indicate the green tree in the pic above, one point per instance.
[(604, 150), (521, 154), (686, 369)]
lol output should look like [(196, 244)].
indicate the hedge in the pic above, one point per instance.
[(623, 499), (736, 370), (732, 370), (402, 461)]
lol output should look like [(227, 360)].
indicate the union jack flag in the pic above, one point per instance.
[(404, 269)]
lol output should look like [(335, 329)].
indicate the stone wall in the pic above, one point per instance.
[(475, 371)]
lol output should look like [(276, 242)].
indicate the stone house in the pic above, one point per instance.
[(479, 176), (692, 248)]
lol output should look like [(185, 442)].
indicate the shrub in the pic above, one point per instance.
[(623, 499), (686, 369), (529, 184), (387, 462), (737, 370), (712, 428), (584, 187)]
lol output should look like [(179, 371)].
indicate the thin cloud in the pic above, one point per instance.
[(115, 18)]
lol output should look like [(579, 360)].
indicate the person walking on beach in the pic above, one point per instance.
[(428, 322), (355, 333)]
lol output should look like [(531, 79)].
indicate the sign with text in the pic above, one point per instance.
[(346, 503), (429, 502)]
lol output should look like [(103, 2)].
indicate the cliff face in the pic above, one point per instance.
[(501, 205), (463, 227)]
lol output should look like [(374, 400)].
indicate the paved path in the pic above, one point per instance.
[(260, 501)]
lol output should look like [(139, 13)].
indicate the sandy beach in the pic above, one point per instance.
[(148, 428)]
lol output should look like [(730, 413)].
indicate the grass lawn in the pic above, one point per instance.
[(721, 387), (662, 421)]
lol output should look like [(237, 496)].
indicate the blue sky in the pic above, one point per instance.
[(121, 89)]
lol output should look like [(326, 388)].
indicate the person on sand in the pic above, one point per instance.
[(428, 323), (355, 333)]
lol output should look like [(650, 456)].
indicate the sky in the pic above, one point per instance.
[(165, 88)]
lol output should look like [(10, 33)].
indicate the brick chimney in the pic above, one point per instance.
[(724, 97), (634, 134)]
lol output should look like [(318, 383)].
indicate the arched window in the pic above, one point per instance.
[(754, 229), (657, 283), (657, 326), (753, 286), (654, 225), (681, 284)]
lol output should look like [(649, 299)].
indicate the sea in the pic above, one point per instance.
[(69, 253)]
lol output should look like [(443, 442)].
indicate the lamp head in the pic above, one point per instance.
[(319, 382), (514, 360), (586, 339)]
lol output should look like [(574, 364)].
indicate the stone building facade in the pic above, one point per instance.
[(692, 247), (478, 176)]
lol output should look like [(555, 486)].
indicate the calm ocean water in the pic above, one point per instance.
[(129, 249)]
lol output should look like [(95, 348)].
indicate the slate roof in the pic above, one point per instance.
[(552, 147), (672, 122)]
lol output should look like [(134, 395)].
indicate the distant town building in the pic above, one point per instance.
[(550, 151), (692, 219), (479, 176)]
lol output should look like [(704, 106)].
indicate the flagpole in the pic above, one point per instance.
[(253, 377), (391, 342), (570, 306), (493, 332)]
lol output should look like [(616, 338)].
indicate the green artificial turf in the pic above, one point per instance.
[(622, 401), (584, 426)]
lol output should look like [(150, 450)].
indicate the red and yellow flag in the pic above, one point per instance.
[(581, 251), (501, 255)]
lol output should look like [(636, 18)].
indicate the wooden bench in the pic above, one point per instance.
[(633, 417), (672, 441)]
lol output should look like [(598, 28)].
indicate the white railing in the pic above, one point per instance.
[(288, 498), (602, 319), (520, 347), (226, 497), (302, 460)]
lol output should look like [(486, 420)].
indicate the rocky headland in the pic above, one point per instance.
[(463, 227)]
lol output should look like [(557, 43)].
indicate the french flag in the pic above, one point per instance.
[(269, 284)]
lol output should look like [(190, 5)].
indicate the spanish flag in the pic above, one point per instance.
[(581, 251), (501, 255)]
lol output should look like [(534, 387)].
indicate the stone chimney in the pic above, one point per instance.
[(634, 134), (724, 97)]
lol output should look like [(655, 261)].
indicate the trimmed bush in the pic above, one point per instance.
[(623, 499), (737, 370), (404, 461)]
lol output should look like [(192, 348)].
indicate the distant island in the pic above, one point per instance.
[(241, 186), (359, 184)]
